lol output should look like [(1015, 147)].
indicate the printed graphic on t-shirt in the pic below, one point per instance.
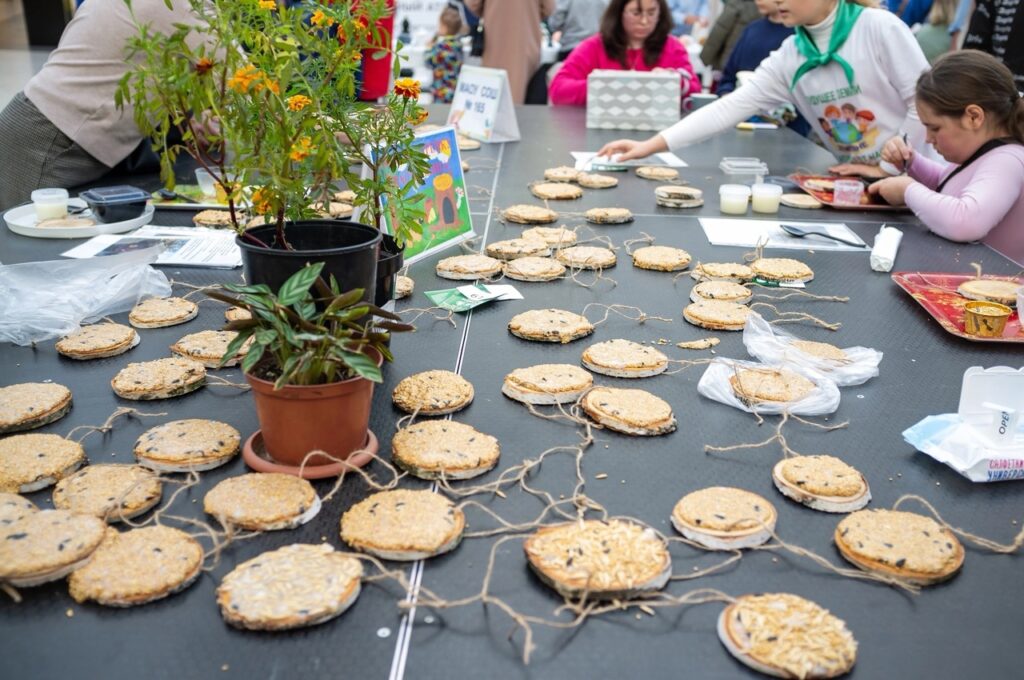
[(850, 131)]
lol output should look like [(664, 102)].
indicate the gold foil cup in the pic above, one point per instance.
[(985, 319)]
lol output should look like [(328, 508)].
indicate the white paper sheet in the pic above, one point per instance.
[(748, 233), (585, 161), (183, 246)]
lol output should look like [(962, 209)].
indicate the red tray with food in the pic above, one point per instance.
[(940, 294), (821, 187)]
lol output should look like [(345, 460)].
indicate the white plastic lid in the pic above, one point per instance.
[(761, 189), (734, 190), (733, 165), (50, 196)]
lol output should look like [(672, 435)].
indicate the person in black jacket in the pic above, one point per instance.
[(997, 28)]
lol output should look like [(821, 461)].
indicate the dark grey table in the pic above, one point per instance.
[(971, 626)]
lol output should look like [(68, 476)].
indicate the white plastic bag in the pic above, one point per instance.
[(714, 384), (948, 439), (46, 300), (774, 346)]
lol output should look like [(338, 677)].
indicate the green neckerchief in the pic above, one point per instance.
[(846, 17)]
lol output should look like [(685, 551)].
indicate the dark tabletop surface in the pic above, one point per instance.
[(970, 626)]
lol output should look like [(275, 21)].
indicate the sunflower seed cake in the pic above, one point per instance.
[(555, 191), (786, 636), (558, 237), (262, 501), (26, 406), (781, 269), (468, 267), (236, 314), (291, 587), (111, 492), (821, 483), (821, 350), (721, 290), (905, 545), (433, 393), (779, 385), (635, 412), (608, 215), (562, 173), (159, 379), (586, 257), (722, 271), (29, 462), (404, 286), (624, 359), (162, 312), (403, 525), (660, 258), (724, 518), (801, 201), (534, 269), (436, 449), (550, 325), (656, 172), (138, 566), (515, 248), (717, 315), (345, 196), (98, 341), (529, 214), (212, 218), (599, 559), (467, 143), (207, 347), (46, 545), (13, 507), (674, 196), (547, 384), (590, 180), (991, 290), (334, 210), (185, 445)]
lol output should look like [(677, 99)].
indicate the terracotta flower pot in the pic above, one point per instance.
[(297, 419)]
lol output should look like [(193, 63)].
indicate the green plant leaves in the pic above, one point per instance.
[(297, 286)]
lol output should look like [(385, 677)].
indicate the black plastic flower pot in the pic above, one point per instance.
[(349, 251), (389, 263)]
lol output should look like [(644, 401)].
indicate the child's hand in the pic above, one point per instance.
[(629, 149), (892, 189), (898, 152)]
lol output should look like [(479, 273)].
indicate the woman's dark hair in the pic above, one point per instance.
[(959, 79), (613, 34)]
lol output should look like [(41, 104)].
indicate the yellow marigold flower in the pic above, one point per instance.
[(419, 117), (321, 19), (408, 88), (301, 149), (268, 4), (261, 202), (244, 78), (297, 102)]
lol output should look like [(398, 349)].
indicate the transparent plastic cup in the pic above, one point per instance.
[(733, 199), (207, 184), (50, 203), (848, 192), (766, 198)]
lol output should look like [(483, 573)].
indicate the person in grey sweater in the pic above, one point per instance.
[(577, 20)]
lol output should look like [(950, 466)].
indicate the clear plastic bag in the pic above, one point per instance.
[(774, 346), (714, 384), (46, 300)]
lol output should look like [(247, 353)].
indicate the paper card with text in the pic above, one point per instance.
[(482, 107)]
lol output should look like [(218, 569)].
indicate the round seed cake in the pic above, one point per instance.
[(717, 315), (111, 492), (822, 483), (433, 393), (661, 258), (550, 325), (262, 501), (159, 379), (534, 269), (547, 384), (98, 341), (184, 445), (161, 312), (26, 406), (624, 359), (435, 449), (635, 412), (724, 518), (29, 462), (403, 525), (47, 545)]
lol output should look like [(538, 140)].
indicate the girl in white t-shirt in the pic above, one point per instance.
[(850, 69)]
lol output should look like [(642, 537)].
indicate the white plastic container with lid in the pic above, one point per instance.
[(733, 199), (744, 170), (765, 198), (50, 203)]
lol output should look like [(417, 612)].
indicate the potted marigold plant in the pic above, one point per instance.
[(264, 98), (312, 363)]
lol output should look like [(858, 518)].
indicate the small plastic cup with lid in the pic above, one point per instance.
[(766, 197), (848, 192), (50, 203), (733, 198)]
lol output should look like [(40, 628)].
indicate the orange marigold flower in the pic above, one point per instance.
[(261, 202), (268, 4), (419, 117), (321, 19), (203, 66), (408, 88), (362, 25), (302, 149), (244, 78), (297, 102)]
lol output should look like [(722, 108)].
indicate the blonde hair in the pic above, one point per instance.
[(942, 12)]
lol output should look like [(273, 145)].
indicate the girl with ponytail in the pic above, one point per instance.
[(974, 118)]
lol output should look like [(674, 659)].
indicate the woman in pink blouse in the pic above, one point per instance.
[(635, 35)]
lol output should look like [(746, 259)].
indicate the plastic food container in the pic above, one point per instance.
[(744, 170), (985, 319), (115, 204), (733, 198), (848, 192), (765, 198), (207, 184), (50, 203)]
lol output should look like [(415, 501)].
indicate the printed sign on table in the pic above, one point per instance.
[(482, 107), (442, 196)]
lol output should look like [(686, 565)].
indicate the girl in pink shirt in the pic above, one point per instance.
[(974, 117), (635, 35)]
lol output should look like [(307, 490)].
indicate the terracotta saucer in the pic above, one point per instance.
[(256, 457)]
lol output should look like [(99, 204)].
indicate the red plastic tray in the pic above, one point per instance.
[(936, 292), (868, 201)]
